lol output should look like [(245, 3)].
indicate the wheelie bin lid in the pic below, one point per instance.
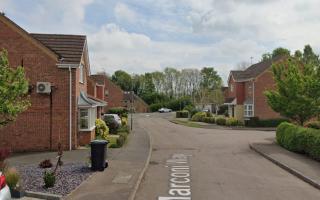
[(99, 142)]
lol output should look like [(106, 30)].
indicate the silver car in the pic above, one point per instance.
[(115, 117), (4, 189)]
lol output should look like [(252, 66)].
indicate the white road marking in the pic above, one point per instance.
[(179, 182)]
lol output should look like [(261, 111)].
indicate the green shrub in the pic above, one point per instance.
[(114, 146), (256, 122), (233, 122), (210, 120), (102, 129), (156, 106), (111, 123), (299, 139), (313, 124), (120, 141), (252, 122), (123, 129), (182, 114), (119, 111), (49, 179), (199, 116), (271, 122), (12, 177), (221, 121)]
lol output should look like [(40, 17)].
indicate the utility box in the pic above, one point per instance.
[(98, 155)]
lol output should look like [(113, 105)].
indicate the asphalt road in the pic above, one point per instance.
[(221, 165)]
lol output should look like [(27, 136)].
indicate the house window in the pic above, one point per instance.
[(87, 118), (231, 88), (248, 110), (81, 74)]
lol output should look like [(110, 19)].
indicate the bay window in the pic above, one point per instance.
[(87, 118), (248, 110)]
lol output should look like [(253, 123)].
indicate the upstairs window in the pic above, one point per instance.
[(81, 79)]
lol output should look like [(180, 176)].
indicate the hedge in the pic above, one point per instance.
[(221, 121), (233, 122), (299, 139), (256, 122), (182, 114), (199, 116), (210, 120)]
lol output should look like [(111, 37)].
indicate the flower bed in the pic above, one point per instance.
[(68, 177)]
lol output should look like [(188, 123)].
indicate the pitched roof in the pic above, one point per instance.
[(254, 70), (68, 47)]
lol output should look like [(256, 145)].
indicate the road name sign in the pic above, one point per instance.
[(180, 178)]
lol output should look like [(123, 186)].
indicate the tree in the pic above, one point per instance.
[(280, 52), (266, 56), (297, 90), (13, 90), (122, 79), (309, 57), (210, 78)]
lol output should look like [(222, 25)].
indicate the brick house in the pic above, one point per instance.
[(131, 99), (62, 112), (245, 95), (111, 92)]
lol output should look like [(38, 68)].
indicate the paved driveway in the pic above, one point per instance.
[(220, 166)]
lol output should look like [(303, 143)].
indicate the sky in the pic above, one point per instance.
[(147, 35)]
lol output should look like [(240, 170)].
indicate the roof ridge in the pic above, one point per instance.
[(57, 34)]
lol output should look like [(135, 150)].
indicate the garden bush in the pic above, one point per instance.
[(49, 179), (45, 164), (299, 139), (199, 116), (124, 121), (182, 114), (313, 124), (12, 177), (120, 141), (102, 129), (271, 122), (221, 121), (256, 122), (210, 120), (111, 123), (233, 122)]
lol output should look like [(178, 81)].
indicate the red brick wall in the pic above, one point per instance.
[(115, 95), (261, 108), (85, 137), (100, 92), (31, 130), (248, 90), (240, 93)]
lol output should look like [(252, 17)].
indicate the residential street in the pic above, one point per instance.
[(222, 166)]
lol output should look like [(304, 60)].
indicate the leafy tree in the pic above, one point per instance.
[(280, 52), (210, 78), (122, 79), (298, 55), (309, 57), (266, 56), (13, 90), (297, 90)]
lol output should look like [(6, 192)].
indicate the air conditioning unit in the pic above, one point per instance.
[(43, 87)]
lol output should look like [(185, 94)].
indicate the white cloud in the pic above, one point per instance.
[(124, 13)]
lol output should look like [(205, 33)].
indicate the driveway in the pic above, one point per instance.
[(218, 163)]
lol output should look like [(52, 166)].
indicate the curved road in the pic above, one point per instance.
[(220, 166)]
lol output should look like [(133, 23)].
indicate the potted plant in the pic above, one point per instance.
[(12, 179)]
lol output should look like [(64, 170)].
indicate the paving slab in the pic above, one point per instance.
[(299, 165), (119, 180)]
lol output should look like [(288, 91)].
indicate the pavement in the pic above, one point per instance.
[(118, 182), (220, 165), (299, 165)]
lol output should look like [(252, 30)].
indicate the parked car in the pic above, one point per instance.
[(115, 117), (164, 110), (4, 189)]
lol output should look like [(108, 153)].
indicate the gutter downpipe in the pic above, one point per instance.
[(70, 109)]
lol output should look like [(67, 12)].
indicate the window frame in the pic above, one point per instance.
[(91, 118), (247, 111)]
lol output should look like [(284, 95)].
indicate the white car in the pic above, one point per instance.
[(115, 116), (4, 189), (164, 110)]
